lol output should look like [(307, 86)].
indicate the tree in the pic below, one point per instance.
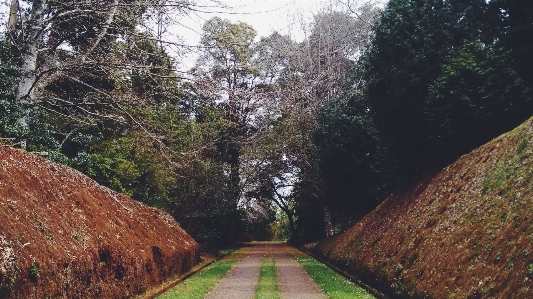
[(442, 78), (300, 78), (476, 97), (9, 77), (513, 25), (329, 53), (225, 74), (274, 163), (410, 42), (319, 71), (351, 160), (72, 43)]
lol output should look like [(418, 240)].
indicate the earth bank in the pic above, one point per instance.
[(465, 232), (64, 236)]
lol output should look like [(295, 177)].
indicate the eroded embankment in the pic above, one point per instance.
[(64, 236), (463, 233)]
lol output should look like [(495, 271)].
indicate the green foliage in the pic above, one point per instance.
[(476, 97), (441, 79), (8, 70), (157, 82), (228, 48), (113, 164), (199, 196), (410, 42), (34, 271), (497, 257), (46, 132), (351, 159), (308, 194), (279, 228), (513, 26), (259, 223), (76, 236), (9, 77)]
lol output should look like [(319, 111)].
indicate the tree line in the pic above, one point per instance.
[(264, 137), (440, 78)]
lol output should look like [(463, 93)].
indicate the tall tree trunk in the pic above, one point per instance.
[(31, 42), (327, 222), (26, 86), (13, 16), (291, 225), (235, 192)]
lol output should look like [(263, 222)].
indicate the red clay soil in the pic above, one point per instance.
[(64, 236), (463, 233)]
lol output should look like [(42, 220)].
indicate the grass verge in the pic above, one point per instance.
[(223, 252), (331, 283), (198, 285), (267, 287)]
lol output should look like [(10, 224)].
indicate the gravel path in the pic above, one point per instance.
[(241, 281), (293, 281)]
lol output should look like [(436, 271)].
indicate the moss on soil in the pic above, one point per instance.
[(462, 233)]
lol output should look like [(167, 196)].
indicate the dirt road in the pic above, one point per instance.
[(241, 281)]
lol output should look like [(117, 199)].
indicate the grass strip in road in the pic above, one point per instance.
[(198, 285), (332, 283), (267, 287)]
